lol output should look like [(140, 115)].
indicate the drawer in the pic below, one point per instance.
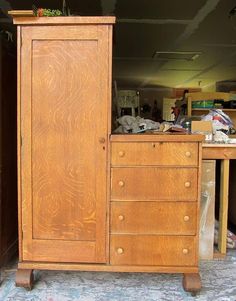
[(154, 183), (153, 250), (154, 153), (154, 218)]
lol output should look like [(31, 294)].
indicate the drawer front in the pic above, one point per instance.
[(154, 153), (154, 218), (154, 183), (153, 250)]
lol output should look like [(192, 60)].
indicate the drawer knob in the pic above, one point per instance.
[(121, 217), (187, 184), (186, 218), (120, 251), (121, 183), (121, 153), (188, 154), (185, 251)]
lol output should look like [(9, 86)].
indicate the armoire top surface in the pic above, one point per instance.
[(63, 20)]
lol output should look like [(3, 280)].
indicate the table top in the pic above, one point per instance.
[(220, 151)]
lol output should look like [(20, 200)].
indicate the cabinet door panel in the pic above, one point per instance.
[(63, 91)]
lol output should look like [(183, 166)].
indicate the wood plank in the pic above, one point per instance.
[(219, 152), (106, 268), (19, 176), (151, 137), (208, 95), (223, 218), (21, 13), (62, 20)]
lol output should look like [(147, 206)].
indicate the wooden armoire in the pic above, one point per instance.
[(79, 192)]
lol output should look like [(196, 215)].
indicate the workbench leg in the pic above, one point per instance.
[(224, 199)]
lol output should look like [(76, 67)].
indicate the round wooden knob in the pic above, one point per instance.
[(121, 183), (121, 217), (186, 218), (120, 251), (187, 184), (121, 153), (185, 251), (188, 154)]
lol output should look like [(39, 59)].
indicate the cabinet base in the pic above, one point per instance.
[(192, 283), (25, 278)]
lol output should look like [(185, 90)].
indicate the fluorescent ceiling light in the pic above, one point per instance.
[(177, 55)]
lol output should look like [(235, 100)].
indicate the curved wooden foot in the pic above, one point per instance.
[(192, 283), (24, 278)]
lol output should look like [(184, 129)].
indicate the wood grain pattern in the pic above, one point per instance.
[(69, 89), (153, 183), (218, 152), (62, 149), (106, 268), (19, 170), (153, 250), (223, 214), (158, 137), (154, 153), (172, 218), (62, 20)]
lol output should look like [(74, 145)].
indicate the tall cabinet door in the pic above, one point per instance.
[(63, 112)]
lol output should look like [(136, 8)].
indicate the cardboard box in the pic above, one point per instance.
[(203, 127)]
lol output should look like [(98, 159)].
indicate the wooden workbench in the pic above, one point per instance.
[(225, 153)]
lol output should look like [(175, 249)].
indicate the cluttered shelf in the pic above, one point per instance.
[(207, 109)]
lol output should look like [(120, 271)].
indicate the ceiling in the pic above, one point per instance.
[(144, 27)]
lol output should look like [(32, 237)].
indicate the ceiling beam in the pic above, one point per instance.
[(205, 10), (154, 21)]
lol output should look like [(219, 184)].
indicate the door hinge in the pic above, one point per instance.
[(21, 235), (20, 140)]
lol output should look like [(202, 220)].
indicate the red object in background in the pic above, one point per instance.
[(217, 118), (40, 12), (175, 111)]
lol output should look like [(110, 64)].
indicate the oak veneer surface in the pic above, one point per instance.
[(152, 183), (154, 153), (64, 85), (154, 217), (153, 250)]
